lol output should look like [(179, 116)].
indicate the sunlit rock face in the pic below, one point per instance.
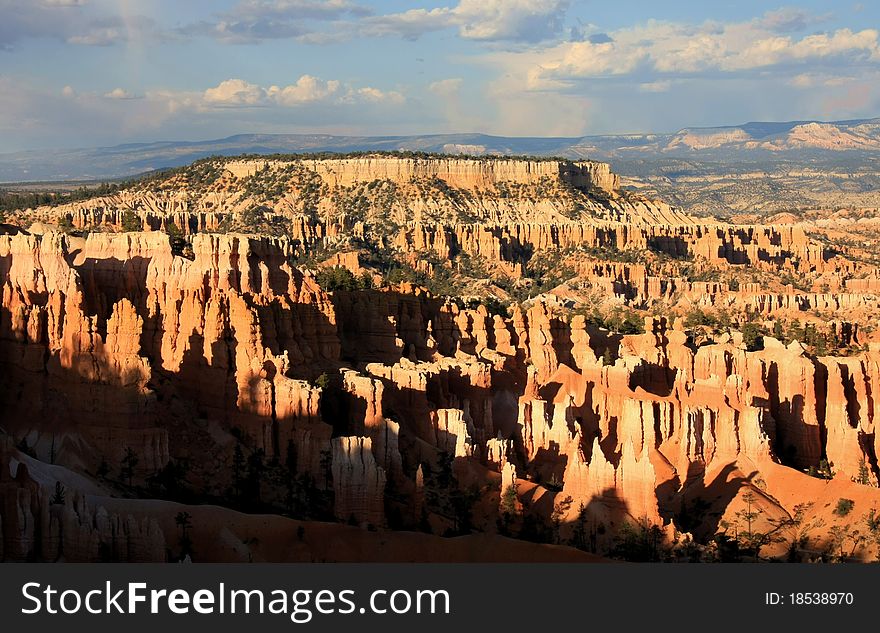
[(394, 409)]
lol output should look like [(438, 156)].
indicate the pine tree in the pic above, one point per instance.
[(256, 466), (579, 533), (58, 497), (778, 332), (508, 506), (795, 331), (103, 469), (607, 357), (129, 462), (131, 222), (238, 465), (184, 523), (864, 476)]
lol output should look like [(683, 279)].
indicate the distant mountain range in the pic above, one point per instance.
[(764, 142)]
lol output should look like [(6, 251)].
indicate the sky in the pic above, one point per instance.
[(85, 73)]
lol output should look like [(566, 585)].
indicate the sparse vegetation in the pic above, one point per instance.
[(129, 462), (131, 222), (59, 495), (844, 507)]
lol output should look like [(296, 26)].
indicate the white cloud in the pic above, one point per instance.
[(656, 49), (528, 20), (119, 93), (861, 45), (306, 90), (235, 92), (374, 95), (446, 87), (33, 116), (410, 24), (487, 20)]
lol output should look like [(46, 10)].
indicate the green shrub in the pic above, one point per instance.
[(339, 278), (65, 224), (844, 507), (698, 318), (131, 223), (625, 322), (753, 336), (253, 217), (322, 381)]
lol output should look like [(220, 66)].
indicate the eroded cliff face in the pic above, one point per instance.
[(323, 197), (387, 408), (493, 220), (464, 173), (212, 367)]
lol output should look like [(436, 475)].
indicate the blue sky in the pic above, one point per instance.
[(100, 72)]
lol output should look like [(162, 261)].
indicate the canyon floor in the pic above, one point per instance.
[(416, 357)]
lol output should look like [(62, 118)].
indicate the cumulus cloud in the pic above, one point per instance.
[(657, 48), (669, 63), (527, 20), (306, 90), (843, 43), (119, 93), (374, 95), (235, 92), (33, 116)]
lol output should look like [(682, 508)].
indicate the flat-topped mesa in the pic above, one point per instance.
[(464, 173), (310, 198)]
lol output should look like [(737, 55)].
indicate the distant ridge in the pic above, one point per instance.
[(751, 141)]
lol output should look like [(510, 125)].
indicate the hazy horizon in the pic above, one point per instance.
[(232, 134)]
